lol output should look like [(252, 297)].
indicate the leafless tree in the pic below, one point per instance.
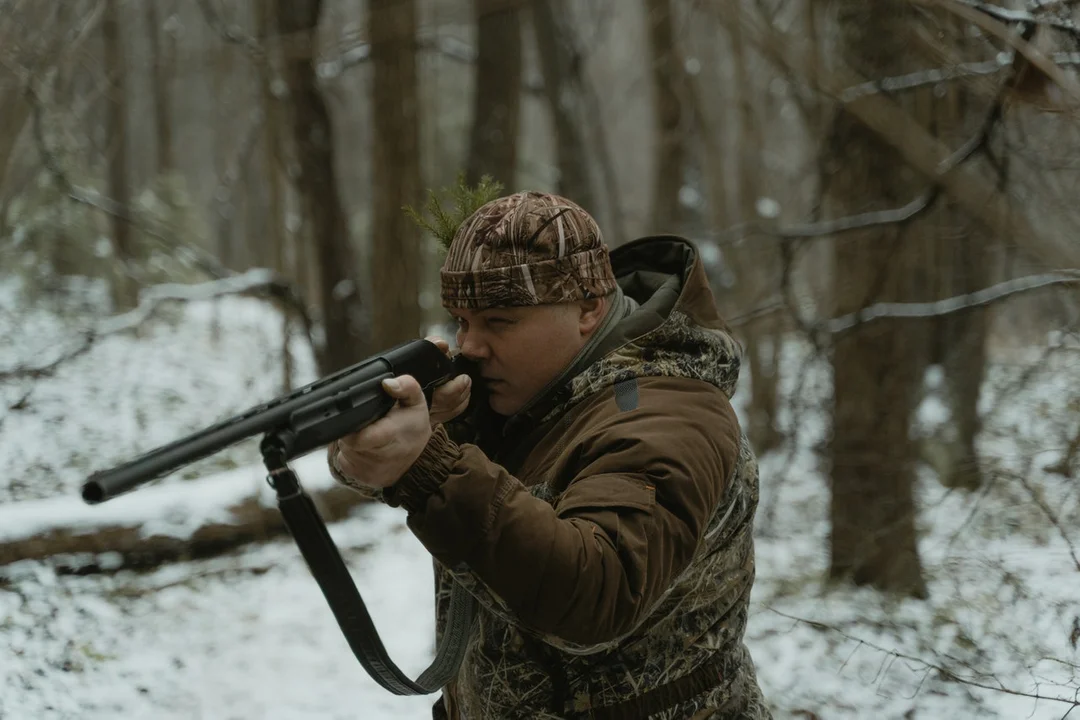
[(558, 59), (313, 134), (396, 180), (124, 289), (497, 92)]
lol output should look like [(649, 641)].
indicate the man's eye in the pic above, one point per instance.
[(500, 321)]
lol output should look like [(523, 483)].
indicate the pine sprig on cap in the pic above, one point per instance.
[(465, 200)]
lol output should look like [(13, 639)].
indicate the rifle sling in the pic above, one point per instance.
[(324, 560)]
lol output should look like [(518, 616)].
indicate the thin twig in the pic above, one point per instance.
[(1050, 515), (944, 671)]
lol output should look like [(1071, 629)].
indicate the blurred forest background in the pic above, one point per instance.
[(890, 186)]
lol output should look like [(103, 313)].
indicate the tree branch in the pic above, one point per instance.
[(883, 217), (985, 16), (255, 283), (1019, 16), (1051, 516), (954, 304), (981, 199), (926, 77)]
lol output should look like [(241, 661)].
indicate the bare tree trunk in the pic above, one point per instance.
[(396, 146), (965, 266), (313, 135), (14, 118), (224, 117), (161, 53), (877, 368), (572, 157), (756, 265), (962, 337), (669, 145), (124, 290), (877, 374), (497, 96), (274, 172)]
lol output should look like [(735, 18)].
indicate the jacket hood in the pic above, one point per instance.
[(676, 331)]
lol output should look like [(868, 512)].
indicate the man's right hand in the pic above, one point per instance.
[(449, 400)]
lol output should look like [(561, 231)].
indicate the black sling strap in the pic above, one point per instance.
[(327, 566)]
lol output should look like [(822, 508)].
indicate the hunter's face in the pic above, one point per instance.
[(521, 349)]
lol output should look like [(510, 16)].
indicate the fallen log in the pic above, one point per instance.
[(173, 521)]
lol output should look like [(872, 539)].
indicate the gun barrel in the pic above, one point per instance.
[(420, 358)]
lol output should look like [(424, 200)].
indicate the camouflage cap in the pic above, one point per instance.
[(529, 248)]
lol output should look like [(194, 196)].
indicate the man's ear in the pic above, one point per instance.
[(591, 312)]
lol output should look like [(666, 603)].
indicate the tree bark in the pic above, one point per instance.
[(497, 96), (124, 290), (161, 53), (877, 375), (669, 145), (224, 116), (877, 368), (756, 264), (396, 313), (274, 172), (962, 339), (556, 60), (12, 121), (965, 265), (317, 185)]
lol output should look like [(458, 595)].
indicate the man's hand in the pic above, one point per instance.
[(449, 400), (382, 452)]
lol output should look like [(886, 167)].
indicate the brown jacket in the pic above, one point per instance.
[(606, 531)]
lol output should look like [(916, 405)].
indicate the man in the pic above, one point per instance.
[(599, 503)]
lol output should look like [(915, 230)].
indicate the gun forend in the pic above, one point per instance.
[(335, 405)]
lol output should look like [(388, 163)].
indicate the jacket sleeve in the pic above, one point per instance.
[(588, 569), (371, 493)]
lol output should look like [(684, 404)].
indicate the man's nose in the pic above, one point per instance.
[(473, 346)]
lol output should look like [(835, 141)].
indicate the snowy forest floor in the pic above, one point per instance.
[(248, 634)]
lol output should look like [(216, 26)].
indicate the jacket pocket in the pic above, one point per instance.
[(610, 492)]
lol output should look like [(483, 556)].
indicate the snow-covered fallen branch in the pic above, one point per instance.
[(152, 297), (171, 521), (253, 282)]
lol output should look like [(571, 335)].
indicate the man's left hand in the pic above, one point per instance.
[(382, 452)]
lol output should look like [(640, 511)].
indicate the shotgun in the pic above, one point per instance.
[(297, 423)]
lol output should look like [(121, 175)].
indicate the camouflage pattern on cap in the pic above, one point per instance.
[(529, 248)]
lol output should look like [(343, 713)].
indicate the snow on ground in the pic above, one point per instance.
[(249, 635), (197, 363), (243, 636)]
